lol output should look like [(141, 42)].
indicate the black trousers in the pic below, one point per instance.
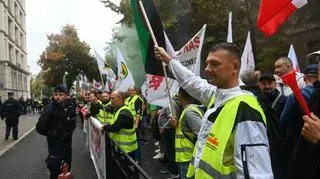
[(170, 151), (12, 123), (59, 151)]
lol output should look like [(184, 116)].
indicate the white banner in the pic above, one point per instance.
[(154, 88), (190, 54), (97, 147)]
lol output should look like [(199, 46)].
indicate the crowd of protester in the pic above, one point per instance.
[(292, 137)]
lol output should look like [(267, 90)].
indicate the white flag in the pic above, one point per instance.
[(125, 78), (155, 91), (190, 54), (96, 85), (229, 37), (103, 66), (247, 58), (105, 70), (169, 48), (292, 55), (154, 88)]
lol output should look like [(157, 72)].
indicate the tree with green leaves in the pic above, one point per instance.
[(66, 53), (39, 87), (182, 19)]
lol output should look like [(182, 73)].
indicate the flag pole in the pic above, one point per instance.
[(156, 44)]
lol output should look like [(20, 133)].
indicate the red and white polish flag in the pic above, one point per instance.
[(273, 13)]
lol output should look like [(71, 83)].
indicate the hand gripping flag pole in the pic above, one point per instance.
[(156, 44)]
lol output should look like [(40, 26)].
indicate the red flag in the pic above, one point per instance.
[(273, 13)]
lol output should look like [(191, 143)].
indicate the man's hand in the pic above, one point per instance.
[(174, 122), (162, 55), (311, 128)]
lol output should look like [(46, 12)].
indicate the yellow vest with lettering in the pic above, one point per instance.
[(125, 138), (211, 162), (184, 147)]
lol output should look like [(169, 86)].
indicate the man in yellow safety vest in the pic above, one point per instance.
[(121, 126), (187, 129), (232, 142)]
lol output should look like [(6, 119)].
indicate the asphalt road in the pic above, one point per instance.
[(26, 159)]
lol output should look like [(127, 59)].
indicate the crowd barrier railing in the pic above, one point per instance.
[(109, 160)]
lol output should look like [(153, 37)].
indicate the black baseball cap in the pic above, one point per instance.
[(267, 76), (60, 89)]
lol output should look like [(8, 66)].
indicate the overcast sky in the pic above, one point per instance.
[(92, 20)]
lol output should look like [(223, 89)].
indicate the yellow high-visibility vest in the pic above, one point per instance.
[(125, 138), (184, 147), (211, 162)]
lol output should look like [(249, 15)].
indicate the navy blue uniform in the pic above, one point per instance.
[(11, 111), (57, 122)]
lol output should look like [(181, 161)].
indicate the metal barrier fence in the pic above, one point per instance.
[(109, 160), (120, 164)]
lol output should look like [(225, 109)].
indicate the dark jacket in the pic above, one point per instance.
[(57, 120), (124, 121), (306, 158), (11, 109)]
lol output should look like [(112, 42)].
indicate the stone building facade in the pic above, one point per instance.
[(14, 72)]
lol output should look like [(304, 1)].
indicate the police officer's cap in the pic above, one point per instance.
[(10, 93), (60, 89)]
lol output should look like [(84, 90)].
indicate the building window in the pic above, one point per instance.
[(22, 41), (22, 61), (10, 53), (25, 84), (17, 36), (10, 29)]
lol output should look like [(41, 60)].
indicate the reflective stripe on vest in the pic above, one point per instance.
[(125, 143), (206, 170), (130, 101), (184, 147), (211, 162), (126, 138)]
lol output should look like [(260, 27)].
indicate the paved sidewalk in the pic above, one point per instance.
[(26, 160), (26, 124)]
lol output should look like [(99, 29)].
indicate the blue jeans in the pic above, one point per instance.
[(183, 167)]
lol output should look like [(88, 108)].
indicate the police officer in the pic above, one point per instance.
[(11, 111), (57, 123)]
